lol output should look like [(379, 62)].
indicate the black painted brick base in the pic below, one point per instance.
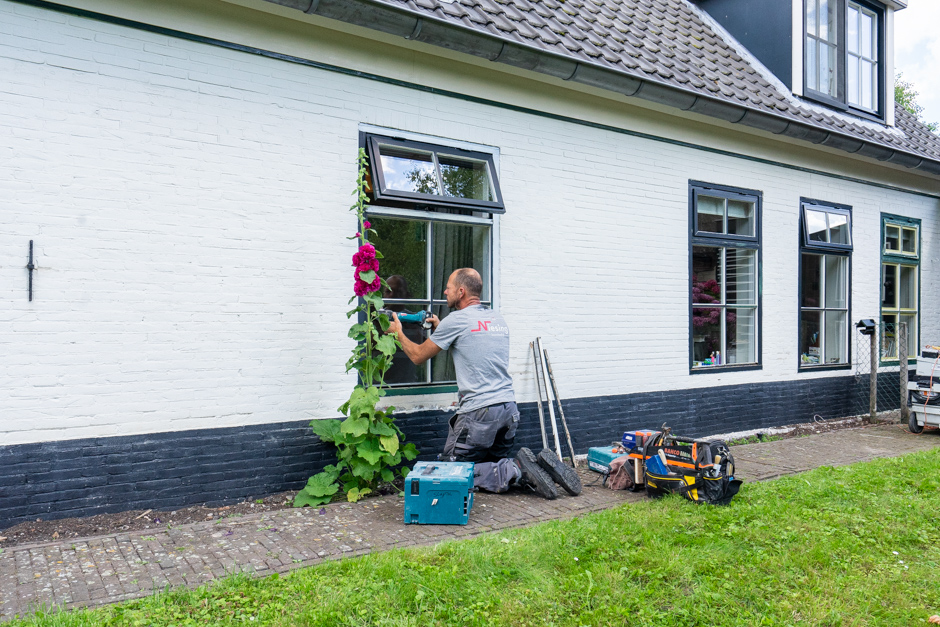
[(216, 466)]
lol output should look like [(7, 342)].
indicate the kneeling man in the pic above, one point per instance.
[(484, 429)]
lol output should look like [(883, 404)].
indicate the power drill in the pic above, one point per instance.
[(422, 317)]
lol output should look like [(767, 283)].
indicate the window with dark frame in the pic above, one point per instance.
[(724, 277), (432, 208), (900, 283), (420, 173), (844, 54), (825, 280)]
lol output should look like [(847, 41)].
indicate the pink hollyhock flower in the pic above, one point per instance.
[(366, 225), (362, 288), (366, 266), (366, 253)]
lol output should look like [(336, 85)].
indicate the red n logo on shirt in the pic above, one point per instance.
[(482, 325)]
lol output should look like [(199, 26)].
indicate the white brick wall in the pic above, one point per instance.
[(189, 208)]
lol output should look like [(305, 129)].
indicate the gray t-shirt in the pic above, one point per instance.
[(478, 340)]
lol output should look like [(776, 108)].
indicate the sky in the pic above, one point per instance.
[(917, 52)]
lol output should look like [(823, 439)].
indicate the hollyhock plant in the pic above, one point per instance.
[(370, 445)]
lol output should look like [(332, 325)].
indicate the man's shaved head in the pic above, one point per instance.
[(470, 280)]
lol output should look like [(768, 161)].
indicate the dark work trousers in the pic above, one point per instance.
[(485, 436)]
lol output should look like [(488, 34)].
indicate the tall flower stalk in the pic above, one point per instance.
[(369, 443)]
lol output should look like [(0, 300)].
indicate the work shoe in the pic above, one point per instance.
[(563, 475), (533, 475)]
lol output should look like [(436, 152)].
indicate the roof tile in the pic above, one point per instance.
[(666, 41)]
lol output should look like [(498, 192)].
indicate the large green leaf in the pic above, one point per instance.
[(355, 426), (327, 430), (355, 494), (367, 277), (370, 451), (362, 401), (380, 428), (321, 484), (387, 344), (409, 451), (389, 443), (303, 498), (374, 299), (387, 475)]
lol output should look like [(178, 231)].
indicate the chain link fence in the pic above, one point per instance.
[(879, 378)]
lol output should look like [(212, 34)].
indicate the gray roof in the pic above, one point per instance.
[(665, 51)]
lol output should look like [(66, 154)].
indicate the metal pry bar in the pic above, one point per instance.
[(561, 412), (538, 384), (551, 408)]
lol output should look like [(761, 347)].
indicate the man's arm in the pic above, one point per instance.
[(417, 353)]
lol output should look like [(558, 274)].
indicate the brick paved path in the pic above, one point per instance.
[(116, 567)]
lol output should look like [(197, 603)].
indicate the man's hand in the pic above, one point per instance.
[(394, 326), (417, 353), (434, 321)]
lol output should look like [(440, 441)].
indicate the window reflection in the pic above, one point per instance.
[(465, 178), (408, 170)]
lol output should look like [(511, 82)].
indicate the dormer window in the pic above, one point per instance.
[(844, 48)]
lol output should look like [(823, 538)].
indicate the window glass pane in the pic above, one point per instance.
[(741, 218), (909, 240), (866, 87), (826, 20), (711, 214), (741, 329), (836, 333), (853, 81), (741, 288), (889, 344), (403, 370), (824, 69), (839, 229), (829, 72), (868, 34), (810, 335), (442, 364), (836, 282), (912, 344), (408, 170), (706, 275), (706, 336), (460, 246), (889, 286), (811, 16), (892, 237), (404, 245), (465, 178), (812, 64), (851, 19), (816, 226), (811, 281), (907, 288)]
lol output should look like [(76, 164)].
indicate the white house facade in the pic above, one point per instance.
[(182, 172)]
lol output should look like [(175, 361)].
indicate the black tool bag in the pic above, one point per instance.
[(700, 470)]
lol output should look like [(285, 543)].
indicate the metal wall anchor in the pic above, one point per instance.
[(30, 266)]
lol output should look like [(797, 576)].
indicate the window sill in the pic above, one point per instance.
[(735, 368), (822, 367), (421, 389)]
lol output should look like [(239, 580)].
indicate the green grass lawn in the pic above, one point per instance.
[(836, 546)]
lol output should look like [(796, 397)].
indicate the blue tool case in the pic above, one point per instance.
[(439, 493)]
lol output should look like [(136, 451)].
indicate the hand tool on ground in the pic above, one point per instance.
[(538, 383), (548, 395), (561, 411)]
